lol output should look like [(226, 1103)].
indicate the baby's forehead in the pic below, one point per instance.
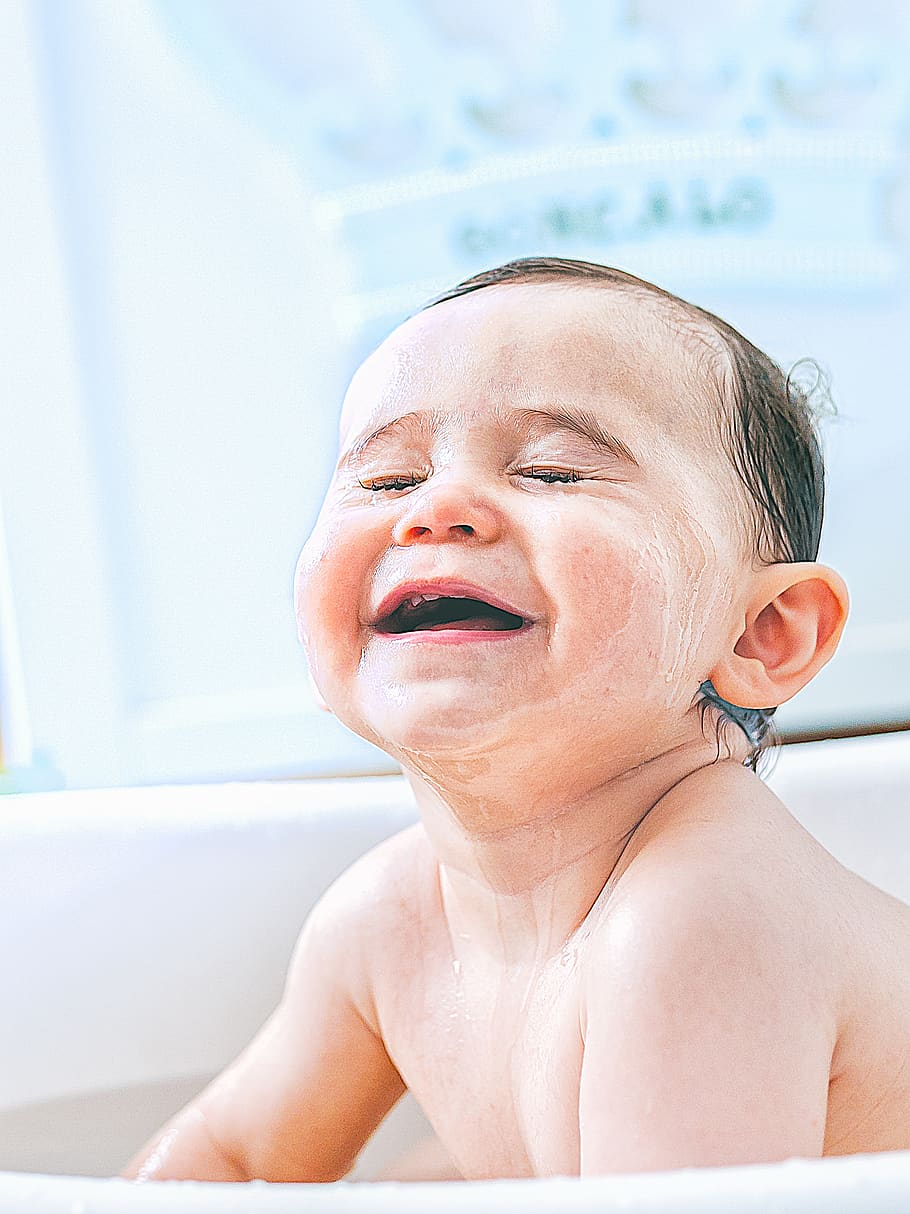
[(604, 347), (598, 347)]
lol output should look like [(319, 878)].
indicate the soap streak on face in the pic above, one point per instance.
[(629, 569)]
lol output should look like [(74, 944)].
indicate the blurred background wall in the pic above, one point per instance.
[(211, 210)]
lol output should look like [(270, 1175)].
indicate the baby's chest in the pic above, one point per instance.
[(495, 1065)]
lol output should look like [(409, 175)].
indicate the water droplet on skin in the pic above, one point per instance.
[(456, 966), (569, 956)]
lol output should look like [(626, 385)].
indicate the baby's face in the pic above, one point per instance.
[(553, 452)]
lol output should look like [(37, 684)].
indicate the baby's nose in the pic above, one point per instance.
[(447, 510)]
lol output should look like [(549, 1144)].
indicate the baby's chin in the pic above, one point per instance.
[(433, 720)]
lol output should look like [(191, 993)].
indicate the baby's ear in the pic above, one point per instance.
[(794, 617)]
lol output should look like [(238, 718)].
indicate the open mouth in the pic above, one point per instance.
[(436, 613)]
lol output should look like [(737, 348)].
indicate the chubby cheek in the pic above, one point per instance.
[(328, 587), (645, 608), (599, 601)]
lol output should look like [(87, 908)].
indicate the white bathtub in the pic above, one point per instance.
[(144, 935)]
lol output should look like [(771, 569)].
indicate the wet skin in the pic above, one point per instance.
[(601, 949)]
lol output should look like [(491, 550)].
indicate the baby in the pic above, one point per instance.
[(563, 573)]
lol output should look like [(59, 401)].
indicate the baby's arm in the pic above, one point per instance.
[(302, 1099), (708, 1029)]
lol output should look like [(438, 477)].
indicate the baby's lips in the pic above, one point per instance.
[(455, 588)]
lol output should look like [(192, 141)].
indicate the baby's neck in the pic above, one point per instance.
[(517, 879)]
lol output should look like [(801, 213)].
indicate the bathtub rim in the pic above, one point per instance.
[(847, 1184)]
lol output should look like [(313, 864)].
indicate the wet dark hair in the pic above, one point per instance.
[(766, 427)]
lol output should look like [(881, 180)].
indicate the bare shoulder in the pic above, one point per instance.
[(370, 913), (712, 975), (724, 822), (727, 903), (376, 894), (721, 873), (725, 837)]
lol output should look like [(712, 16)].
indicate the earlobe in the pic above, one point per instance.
[(794, 618)]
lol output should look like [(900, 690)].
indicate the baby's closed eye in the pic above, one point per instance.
[(535, 472)]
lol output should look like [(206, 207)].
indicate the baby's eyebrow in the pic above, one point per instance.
[(549, 420), (577, 421)]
